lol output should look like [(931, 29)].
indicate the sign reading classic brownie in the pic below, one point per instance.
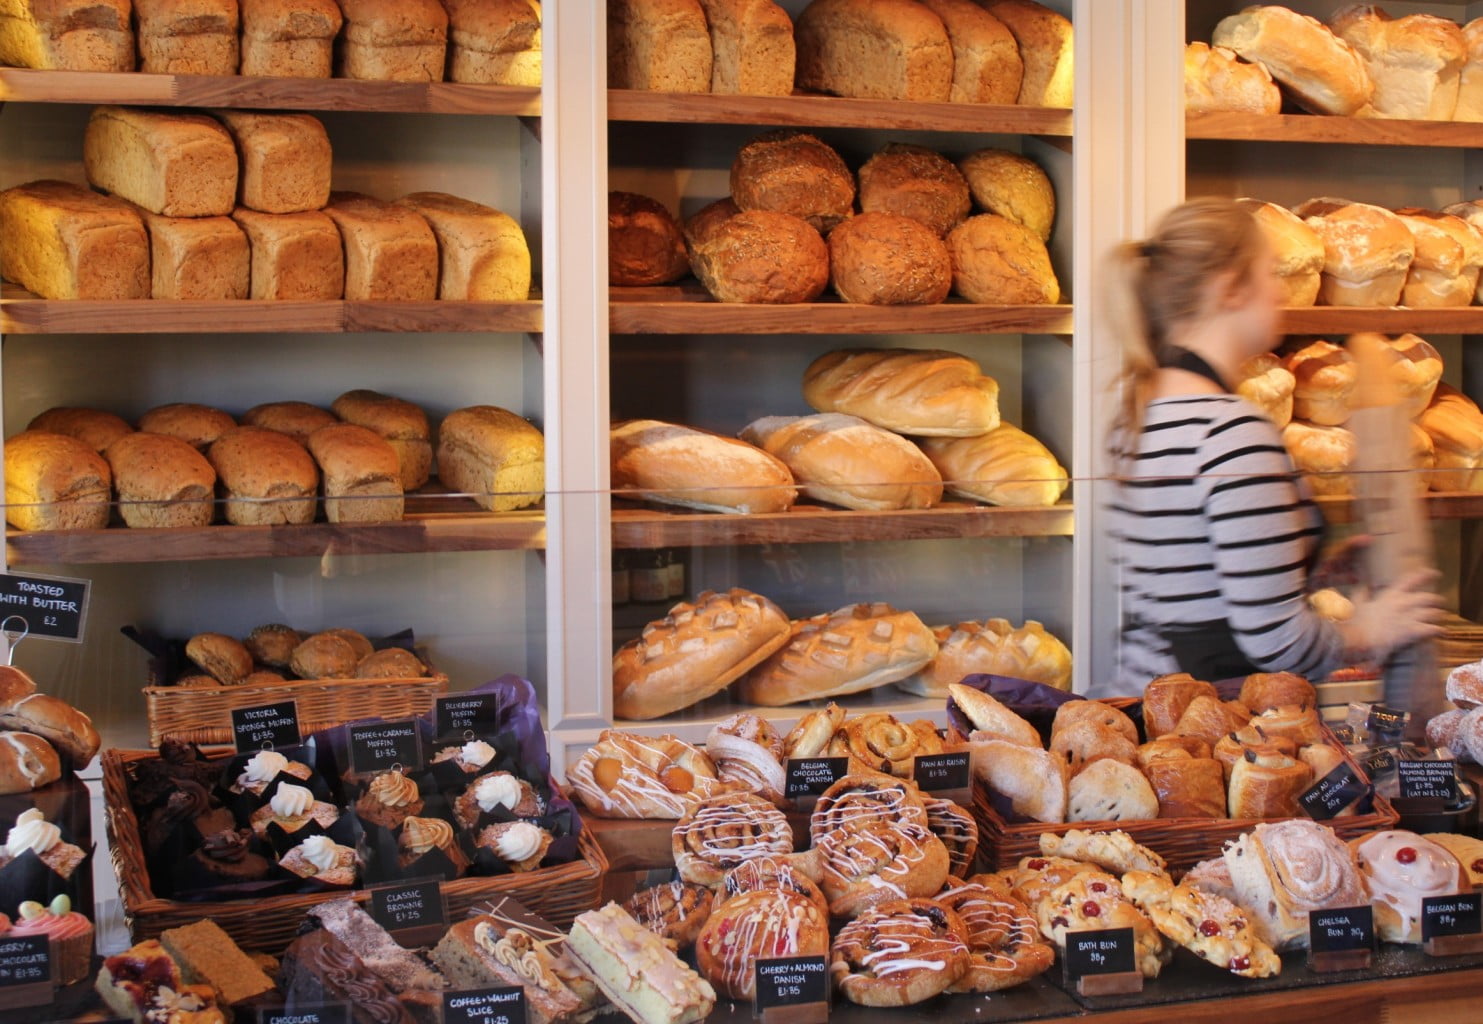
[(266, 727), (410, 907), (379, 746), (467, 716)]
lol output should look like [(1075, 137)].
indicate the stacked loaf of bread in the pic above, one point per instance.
[(494, 42), (991, 51), (270, 467), (273, 653), (239, 206), (897, 233)]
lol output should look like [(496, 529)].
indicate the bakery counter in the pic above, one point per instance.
[(1345, 131)]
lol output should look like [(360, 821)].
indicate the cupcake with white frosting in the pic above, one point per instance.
[(494, 792), (519, 844), (291, 808), (322, 859)]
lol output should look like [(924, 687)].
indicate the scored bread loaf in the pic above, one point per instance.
[(1298, 249), (1319, 70), (187, 37), (494, 42), (987, 67), (916, 392), (494, 455), (999, 262), (284, 164), (793, 172), (751, 46), (659, 45), (1013, 186), (1005, 466), (483, 255), (1366, 252), (362, 477), (197, 425), (855, 648), (197, 257), (94, 427), (289, 38), (81, 35), (179, 165), (1455, 426), (161, 481), (848, 462), (403, 425), (915, 182), (294, 255), (761, 256), (1045, 43), (390, 251), (695, 651), (296, 419), (393, 40), (54, 482), (885, 259), (675, 465), (1324, 376), (1449, 255), (1470, 81), (63, 241), (877, 49), (645, 244), (1414, 63), (1216, 79), (997, 647), (1323, 454), (266, 477)]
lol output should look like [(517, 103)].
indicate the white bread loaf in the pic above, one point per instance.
[(659, 45), (494, 42), (494, 455), (1366, 252), (74, 35), (266, 477), (877, 49), (848, 462), (987, 67), (362, 477), (394, 40), (1415, 62), (289, 38), (390, 251), (1440, 275), (752, 47), (1455, 425), (178, 165), (63, 241), (674, 465), (54, 482), (999, 262), (482, 252), (187, 37), (1215, 79), (294, 255), (1413, 366), (197, 257), (923, 393), (995, 647), (284, 160), (1317, 68), (161, 481), (94, 427), (1268, 385), (1045, 43), (1298, 249), (1470, 81), (403, 425), (917, 183), (1324, 377), (1005, 466), (1012, 186), (1323, 455)]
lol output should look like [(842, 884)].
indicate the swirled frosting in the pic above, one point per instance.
[(32, 832), (476, 754), (419, 835), (499, 790), (394, 789), (291, 801), (519, 952), (228, 845), (322, 851), (262, 768), (1311, 864), (59, 920), (520, 842)]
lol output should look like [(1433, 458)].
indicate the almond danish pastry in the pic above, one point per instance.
[(761, 924)]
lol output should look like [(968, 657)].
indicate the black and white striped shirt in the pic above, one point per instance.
[(1211, 523)]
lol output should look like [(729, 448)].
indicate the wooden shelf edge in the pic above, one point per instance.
[(684, 311), (1386, 319), (1351, 131), (131, 87), (1438, 505)]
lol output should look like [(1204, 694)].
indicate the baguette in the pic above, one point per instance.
[(494, 42), (848, 462), (179, 165), (266, 477), (876, 49), (83, 35), (54, 482), (67, 242), (362, 476), (161, 481), (402, 424), (187, 37), (289, 38), (294, 255), (284, 164), (674, 465), (915, 392), (391, 254), (493, 455), (1005, 466)]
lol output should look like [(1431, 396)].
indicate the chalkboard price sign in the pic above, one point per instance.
[(411, 910), (25, 971), (505, 1005), (382, 745), (268, 726), (937, 772), (1427, 780), (1446, 916), (810, 776), (1341, 929), (52, 607), (791, 990), (321, 1013), (1332, 793), (1101, 951), (467, 714)]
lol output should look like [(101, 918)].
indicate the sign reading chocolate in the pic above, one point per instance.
[(1445, 916), (1341, 929), (25, 960), (937, 772), (810, 776), (265, 727), (321, 1013), (49, 607), (410, 907), (1334, 792), (504, 1005), (466, 716), (1099, 951), (382, 745), (1427, 780), (790, 981)]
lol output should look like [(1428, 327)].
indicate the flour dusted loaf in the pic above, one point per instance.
[(1320, 71), (1449, 254), (483, 254), (161, 481), (80, 35), (94, 427), (294, 255), (1004, 466), (645, 244), (848, 462), (1268, 385), (660, 45), (879, 49), (996, 646), (362, 477), (67, 242), (284, 164), (987, 67), (752, 47), (390, 251), (1299, 250), (394, 40), (494, 42), (197, 257), (266, 477), (1324, 377), (403, 425), (187, 37), (1470, 81), (1323, 454), (695, 651), (179, 165), (915, 182), (920, 392), (1414, 63), (1215, 79), (289, 38), (1366, 251), (493, 454), (54, 482), (1044, 38), (675, 465)]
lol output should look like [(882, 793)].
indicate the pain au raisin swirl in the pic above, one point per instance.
[(722, 831), (1003, 938), (900, 953), (857, 799)]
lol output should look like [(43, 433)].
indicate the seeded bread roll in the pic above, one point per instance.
[(987, 67), (357, 640), (494, 455), (222, 657), (296, 419), (393, 40), (848, 462), (54, 482), (1044, 38), (266, 477), (1298, 249), (391, 253), (187, 37), (402, 424), (284, 164), (1005, 466), (273, 644), (197, 257), (1013, 186), (198, 425), (289, 38), (885, 259), (178, 165), (1320, 71), (645, 246), (93, 427), (494, 42), (793, 172), (161, 481), (294, 255), (1367, 251), (324, 656), (85, 35), (881, 49), (752, 47), (762, 256), (1216, 79), (921, 392), (391, 663), (705, 221), (67, 242), (482, 253), (1415, 63), (674, 465), (659, 45), (362, 476), (915, 182), (999, 262)]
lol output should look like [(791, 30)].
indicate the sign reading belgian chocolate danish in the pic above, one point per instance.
[(49, 607), (466, 714), (378, 746), (810, 776), (320, 1013), (504, 1005), (265, 727)]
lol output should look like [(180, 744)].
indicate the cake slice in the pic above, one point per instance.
[(207, 956), (475, 955), (416, 984), (504, 913), (143, 984), (636, 970), (319, 968)]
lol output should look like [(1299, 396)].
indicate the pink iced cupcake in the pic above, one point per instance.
[(71, 936)]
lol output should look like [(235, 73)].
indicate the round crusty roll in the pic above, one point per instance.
[(903, 952), (885, 259), (1366, 252), (358, 642), (702, 224), (324, 656), (273, 644), (918, 392), (68, 730), (994, 647), (793, 172), (391, 663), (198, 425), (93, 427), (1315, 67), (695, 651), (1415, 62), (1215, 79), (1012, 186), (911, 181), (1298, 249), (999, 262), (645, 245), (1264, 691), (1324, 377), (222, 657), (759, 923), (296, 419), (849, 462), (1004, 466), (675, 465), (27, 762), (1323, 455), (1268, 385), (762, 256)]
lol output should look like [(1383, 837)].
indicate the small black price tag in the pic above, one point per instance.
[(935, 772), (320, 1013), (53, 607), (1444, 916), (410, 908), (1343, 732), (25, 960), (790, 981), (382, 745), (1334, 792), (1378, 762), (1099, 951), (1427, 780), (467, 714), (505, 1005), (266, 726), (1341, 929), (810, 776), (1382, 719)]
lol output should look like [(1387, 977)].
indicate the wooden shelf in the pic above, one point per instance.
[(28, 86), (1344, 131), (688, 309), (23, 313), (835, 112), (1437, 504), (1385, 319)]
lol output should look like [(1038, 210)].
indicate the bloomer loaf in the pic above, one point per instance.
[(482, 253), (1005, 466), (67, 242), (675, 465), (917, 392), (179, 165), (848, 462), (86, 35), (493, 455)]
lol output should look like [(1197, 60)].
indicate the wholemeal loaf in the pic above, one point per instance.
[(1320, 71), (94, 427), (997, 647), (393, 40), (81, 35), (987, 67), (761, 256), (266, 477), (494, 42), (793, 172), (179, 165), (1449, 255), (751, 46), (362, 477), (187, 37), (1324, 376), (296, 419), (1044, 39), (645, 244), (54, 482), (1005, 466), (924, 393), (675, 465), (885, 259), (702, 224), (67, 242), (1323, 454), (197, 425), (1298, 249), (695, 651), (1000, 262), (1216, 79), (878, 49), (917, 183), (494, 455), (390, 251), (197, 257), (403, 425), (284, 161), (289, 38), (294, 255), (848, 462), (1267, 384), (161, 481), (1414, 63), (1455, 427), (1470, 80), (483, 254), (1366, 252), (659, 45), (1012, 186)]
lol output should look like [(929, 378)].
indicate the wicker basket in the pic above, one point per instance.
[(204, 714), (268, 925)]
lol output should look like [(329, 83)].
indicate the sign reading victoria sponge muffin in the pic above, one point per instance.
[(266, 727), (52, 607)]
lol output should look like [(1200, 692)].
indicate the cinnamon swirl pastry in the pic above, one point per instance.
[(879, 861), (1283, 871), (1003, 940), (771, 873), (878, 742), (757, 925), (902, 952), (957, 830), (857, 799), (813, 732), (724, 830), (674, 911), (625, 775)]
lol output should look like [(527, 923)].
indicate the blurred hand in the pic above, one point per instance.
[(1400, 614)]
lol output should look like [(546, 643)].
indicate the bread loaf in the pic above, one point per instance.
[(294, 255), (70, 732), (919, 392), (751, 46), (762, 256), (674, 465), (93, 427), (1470, 81), (998, 647), (1441, 275), (848, 462), (27, 762), (999, 262), (81, 35), (1319, 70), (493, 455), (1324, 376), (645, 245), (858, 647), (1366, 252), (289, 38), (67, 242), (1323, 455), (483, 255), (161, 481), (394, 40), (885, 259), (402, 424), (494, 42), (284, 164), (266, 477), (1415, 63), (197, 257), (1044, 39), (362, 477), (659, 45), (1013, 186), (1215, 79), (197, 425), (707, 220), (1455, 426), (391, 253), (296, 419), (878, 49), (1005, 466), (1414, 369), (986, 59), (179, 165), (1299, 250), (793, 172), (187, 37), (54, 482), (914, 182), (1268, 385)]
